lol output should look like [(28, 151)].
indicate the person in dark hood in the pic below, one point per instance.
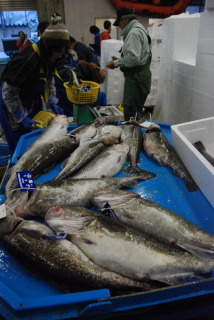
[(96, 45), (28, 79), (42, 26), (134, 63)]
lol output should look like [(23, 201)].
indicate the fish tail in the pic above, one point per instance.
[(200, 250), (136, 170), (191, 185), (199, 146)]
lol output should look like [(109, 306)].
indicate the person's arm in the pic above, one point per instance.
[(52, 100), (131, 52), (10, 95), (97, 41), (13, 103)]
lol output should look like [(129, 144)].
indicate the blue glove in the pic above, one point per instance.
[(28, 123), (52, 103), (56, 109)]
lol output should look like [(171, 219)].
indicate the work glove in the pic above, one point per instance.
[(52, 103), (28, 123), (56, 109)]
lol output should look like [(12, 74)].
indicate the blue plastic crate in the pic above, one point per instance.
[(4, 150), (45, 301), (5, 154)]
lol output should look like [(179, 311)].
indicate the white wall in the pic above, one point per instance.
[(81, 14)]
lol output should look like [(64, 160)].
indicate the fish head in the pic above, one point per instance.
[(154, 127), (122, 147), (108, 197), (59, 118), (9, 223), (108, 140), (68, 219)]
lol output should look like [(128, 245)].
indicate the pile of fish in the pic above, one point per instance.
[(129, 243)]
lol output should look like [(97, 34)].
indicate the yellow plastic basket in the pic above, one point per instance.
[(76, 96), (42, 118)]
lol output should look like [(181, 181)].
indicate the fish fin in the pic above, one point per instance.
[(136, 170), (174, 279), (199, 250), (131, 185), (64, 164), (9, 173), (191, 185), (199, 146), (49, 169)]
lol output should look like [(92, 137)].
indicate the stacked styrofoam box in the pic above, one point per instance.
[(209, 5), (202, 103), (177, 68), (114, 83), (156, 34)]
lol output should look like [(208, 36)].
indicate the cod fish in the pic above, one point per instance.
[(42, 157), (72, 192), (107, 164), (32, 157), (159, 149), (157, 221), (79, 158), (133, 136), (8, 223), (110, 131), (115, 247), (62, 260), (201, 148)]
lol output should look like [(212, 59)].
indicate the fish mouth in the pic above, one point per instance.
[(153, 128), (16, 225)]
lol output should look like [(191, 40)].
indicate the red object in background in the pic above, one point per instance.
[(156, 8)]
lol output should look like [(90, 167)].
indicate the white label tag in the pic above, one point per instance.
[(2, 211)]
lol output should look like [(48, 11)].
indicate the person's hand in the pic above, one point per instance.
[(28, 123), (56, 109), (52, 103), (110, 64)]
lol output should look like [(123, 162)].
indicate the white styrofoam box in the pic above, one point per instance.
[(108, 111), (206, 25), (156, 51), (155, 31), (180, 91), (114, 83), (206, 74), (185, 80), (205, 60), (183, 136), (202, 105), (185, 66), (206, 18), (179, 117), (209, 4), (183, 35), (203, 86), (206, 46), (154, 81)]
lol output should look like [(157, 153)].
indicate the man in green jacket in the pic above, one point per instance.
[(134, 63)]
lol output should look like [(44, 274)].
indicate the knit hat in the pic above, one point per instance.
[(56, 34), (123, 11)]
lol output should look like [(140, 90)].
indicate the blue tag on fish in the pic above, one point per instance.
[(58, 236), (25, 181), (109, 212)]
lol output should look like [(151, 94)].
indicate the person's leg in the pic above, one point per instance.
[(12, 130), (129, 98)]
